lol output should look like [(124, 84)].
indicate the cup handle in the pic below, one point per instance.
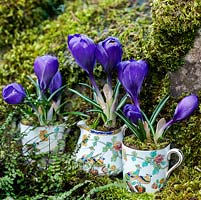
[(180, 159)]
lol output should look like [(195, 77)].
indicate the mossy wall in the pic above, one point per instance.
[(161, 32), (19, 15)]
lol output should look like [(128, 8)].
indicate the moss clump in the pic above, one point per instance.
[(133, 142), (17, 16), (183, 184), (172, 32)]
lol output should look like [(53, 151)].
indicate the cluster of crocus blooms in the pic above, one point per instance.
[(48, 89), (131, 75), (108, 53)]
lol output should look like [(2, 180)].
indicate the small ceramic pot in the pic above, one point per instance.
[(147, 171), (41, 139), (99, 152)]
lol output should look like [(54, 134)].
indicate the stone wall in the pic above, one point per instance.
[(188, 77)]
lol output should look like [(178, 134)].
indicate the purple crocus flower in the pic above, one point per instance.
[(55, 84), (83, 50), (132, 113), (131, 75), (109, 53), (13, 93), (184, 109), (45, 67)]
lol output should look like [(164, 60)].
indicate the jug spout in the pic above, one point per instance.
[(82, 124)]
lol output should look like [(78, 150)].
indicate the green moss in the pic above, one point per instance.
[(20, 15), (183, 184), (132, 142), (161, 33)]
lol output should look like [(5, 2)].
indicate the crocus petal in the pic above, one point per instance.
[(101, 55), (83, 50), (144, 66), (13, 93), (131, 74), (120, 69), (185, 107), (109, 53), (55, 84), (132, 113), (45, 67)]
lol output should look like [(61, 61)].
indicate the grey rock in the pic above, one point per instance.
[(188, 78)]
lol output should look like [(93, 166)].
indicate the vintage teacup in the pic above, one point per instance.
[(147, 171), (42, 139)]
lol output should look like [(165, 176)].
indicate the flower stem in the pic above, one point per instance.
[(167, 125), (136, 102), (93, 82), (109, 80)]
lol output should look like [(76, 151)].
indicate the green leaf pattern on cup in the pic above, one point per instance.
[(155, 160), (92, 161)]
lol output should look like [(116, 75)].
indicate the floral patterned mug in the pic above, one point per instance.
[(99, 152), (147, 171)]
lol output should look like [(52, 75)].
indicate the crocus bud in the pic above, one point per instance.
[(45, 67), (109, 53), (184, 109), (132, 113), (13, 93), (55, 84), (83, 50), (131, 75)]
